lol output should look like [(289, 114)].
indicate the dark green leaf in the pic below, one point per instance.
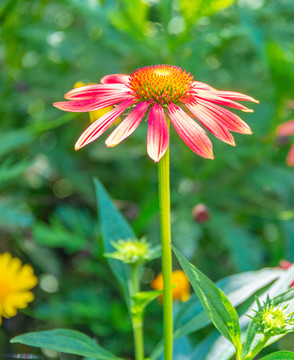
[(66, 341), (216, 305), (113, 227)]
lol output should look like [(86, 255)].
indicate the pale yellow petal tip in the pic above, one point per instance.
[(247, 110)]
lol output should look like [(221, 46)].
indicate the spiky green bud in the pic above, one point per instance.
[(133, 251)]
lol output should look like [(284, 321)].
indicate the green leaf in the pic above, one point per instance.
[(238, 288), (280, 355), (66, 341), (216, 305), (114, 227)]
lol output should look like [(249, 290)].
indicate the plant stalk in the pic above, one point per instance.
[(251, 355), (137, 319), (164, 207)]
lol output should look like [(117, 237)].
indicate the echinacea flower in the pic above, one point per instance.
[(15, 282), (181, 289), (158, 92), (287, 129)]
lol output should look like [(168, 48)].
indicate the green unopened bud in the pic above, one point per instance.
[(133, 251), (273, 320)]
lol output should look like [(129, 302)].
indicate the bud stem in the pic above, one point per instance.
[(137, 320), (164, 207), (251, 355)]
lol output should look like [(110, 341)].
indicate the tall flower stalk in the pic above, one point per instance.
[(164, 208), (161, 94)]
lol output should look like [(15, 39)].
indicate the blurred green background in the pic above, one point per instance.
[(47, 203)]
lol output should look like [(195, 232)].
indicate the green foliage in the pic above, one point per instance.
[(215, 303), (66, 341), (47, 201), (279, 355)]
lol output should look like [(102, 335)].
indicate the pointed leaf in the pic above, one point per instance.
[(114, 227), (66, 341), (221, 312)]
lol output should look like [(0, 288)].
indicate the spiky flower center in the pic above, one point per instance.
[(162, 84), (274, 318)]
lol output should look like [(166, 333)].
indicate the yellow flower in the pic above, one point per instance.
[(16, 280), (96, 114), (181, 291)]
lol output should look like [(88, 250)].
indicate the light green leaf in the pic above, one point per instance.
[(65, 341), (114, 227), (142, 299), (216, 305), (280, 355)]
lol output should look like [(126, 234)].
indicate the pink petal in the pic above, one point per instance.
[(290, 157), (200, 85), (92, 104), (102, 124), (211, 123), (128, 126), (115, 78), (210, 96), (286, 129), (93, 91), (234, 96), (157, 135), (190, 132), (228, 119)]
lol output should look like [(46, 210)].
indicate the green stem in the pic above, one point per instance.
[(251, 355), (164, 207), (137, 319)]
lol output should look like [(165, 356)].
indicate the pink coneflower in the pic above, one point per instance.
[(158, 92), (287, 129)]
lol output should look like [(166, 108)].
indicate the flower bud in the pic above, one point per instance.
[(273, 320), (201, 213), (133, 251)]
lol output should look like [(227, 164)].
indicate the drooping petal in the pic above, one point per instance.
[(227, 118), (157, 135), (115, 78), (190, 132), (211, 123), (232, 95), (286, 129), (290, 157), (128, 126), (210, 96), (102, 124), (93, 91), (92, 104)]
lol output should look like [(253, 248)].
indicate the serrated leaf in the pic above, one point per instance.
[(216, 305), (65, 341)]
